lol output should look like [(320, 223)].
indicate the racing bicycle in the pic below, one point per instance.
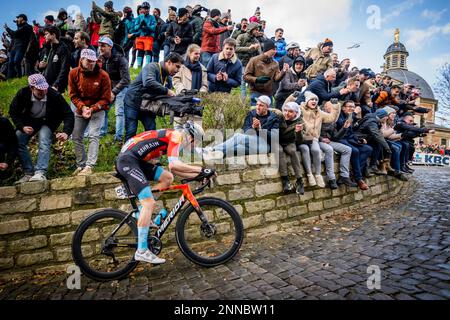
[(209, 232)]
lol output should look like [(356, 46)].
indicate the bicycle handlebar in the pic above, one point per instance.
[(200, 189)]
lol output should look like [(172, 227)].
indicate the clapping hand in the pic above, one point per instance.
[(298, 128)]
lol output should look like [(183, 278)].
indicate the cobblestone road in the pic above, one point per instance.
[(408, 240)]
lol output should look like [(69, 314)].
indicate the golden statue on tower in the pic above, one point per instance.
[(397, 35)]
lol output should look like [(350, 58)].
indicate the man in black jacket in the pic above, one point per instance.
[(154, 80), (115, 64), (8, 148), (39, 110), (180, 34), (368, 128), (409, 131), (20, 39), (55, 62)]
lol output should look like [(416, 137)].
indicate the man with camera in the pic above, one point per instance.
[(20, 39), (153, 81)]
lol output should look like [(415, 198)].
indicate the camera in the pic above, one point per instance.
[(199, 10)]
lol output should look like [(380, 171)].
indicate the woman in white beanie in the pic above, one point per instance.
[(314, 117), (291, 135)]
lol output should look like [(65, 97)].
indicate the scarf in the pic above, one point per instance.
[(196, 70)]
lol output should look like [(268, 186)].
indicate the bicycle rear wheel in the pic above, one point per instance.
[(99, 254), (213, 243)]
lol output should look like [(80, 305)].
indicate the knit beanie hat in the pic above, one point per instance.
[(327, 43), (294, 107), (389, 110), (214, 13), (182, 12), (269, 45), (381, 113), (309, 95)]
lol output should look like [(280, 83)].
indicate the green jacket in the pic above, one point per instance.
[(108, 23), (287, 132), (244, 41)]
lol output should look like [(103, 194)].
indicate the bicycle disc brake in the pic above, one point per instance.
[(107, 249), (208, 229), (155, 245)]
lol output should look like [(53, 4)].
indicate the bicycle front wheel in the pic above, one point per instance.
[(212, 243), (104, 244)]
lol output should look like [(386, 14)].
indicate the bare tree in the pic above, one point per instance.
[(442, 90)]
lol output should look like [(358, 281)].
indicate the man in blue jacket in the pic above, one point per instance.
[(322, 87), (225, 69), (280, 43), (144, 30), (260, 129)]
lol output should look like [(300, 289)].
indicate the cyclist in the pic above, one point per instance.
[(133, 164)]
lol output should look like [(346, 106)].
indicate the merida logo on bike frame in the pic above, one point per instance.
[(171, 216)]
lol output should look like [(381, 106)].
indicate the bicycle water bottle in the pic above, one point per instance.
[(160, 217)]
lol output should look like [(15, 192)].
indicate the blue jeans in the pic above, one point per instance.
[(120, 116), (132, 116), (256, 95), (45, 142), (405, 153), (166, 49), (156, 50), (242, 144), (15, 63), (104, 129), (205, 57), (396, 148), (360, 154)]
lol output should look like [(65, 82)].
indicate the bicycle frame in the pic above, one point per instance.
[(187, 196)]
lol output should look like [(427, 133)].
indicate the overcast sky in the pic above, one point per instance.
[(424, 25)]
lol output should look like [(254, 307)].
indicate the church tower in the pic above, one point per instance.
[(396, 55)]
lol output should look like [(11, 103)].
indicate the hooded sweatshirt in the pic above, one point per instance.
[(90, 88)]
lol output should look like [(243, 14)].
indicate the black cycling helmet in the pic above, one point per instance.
[(145, 5)]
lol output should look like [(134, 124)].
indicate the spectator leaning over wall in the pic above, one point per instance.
[(38, 110), (90, 92)]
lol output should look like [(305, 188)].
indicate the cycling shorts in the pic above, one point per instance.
[(138, 173)]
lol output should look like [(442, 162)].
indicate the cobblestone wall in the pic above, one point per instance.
[(38, 219)]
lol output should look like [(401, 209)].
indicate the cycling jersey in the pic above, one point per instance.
[(132, 162), (153, 144)]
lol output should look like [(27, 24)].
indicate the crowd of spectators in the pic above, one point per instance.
[(310, 103)]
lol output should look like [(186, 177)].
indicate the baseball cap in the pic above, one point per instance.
[(22, 16), (106, 40), (38, 81)]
